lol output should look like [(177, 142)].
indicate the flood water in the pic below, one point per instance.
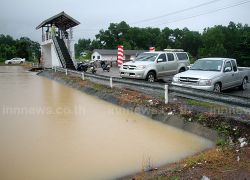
[(49, 131)]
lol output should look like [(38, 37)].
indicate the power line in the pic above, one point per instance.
[(209, 12), (201, 14), (176, 12)]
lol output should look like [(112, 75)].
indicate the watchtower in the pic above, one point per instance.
[(57, 47)]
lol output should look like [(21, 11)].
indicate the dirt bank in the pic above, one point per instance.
[(227, 127)]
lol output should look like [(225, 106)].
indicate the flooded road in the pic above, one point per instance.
[(49, 131)]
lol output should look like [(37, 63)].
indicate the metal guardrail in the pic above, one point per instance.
[(196, 93)]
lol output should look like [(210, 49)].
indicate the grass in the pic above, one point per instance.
[(174, 178), (192, 161), (199, 103), (224, 129), (99, 87), (221, 142)]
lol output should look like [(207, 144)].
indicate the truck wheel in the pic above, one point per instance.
[(151, 77), (217, 87), (243, 85), (181, 70)]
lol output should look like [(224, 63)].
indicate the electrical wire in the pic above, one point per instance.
[(201, 14), (176, 12), (190, 17)]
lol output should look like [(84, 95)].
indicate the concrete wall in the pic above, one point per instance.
[(50, 56), (95, 55), (47, 59), (110, 57), (55, 59)]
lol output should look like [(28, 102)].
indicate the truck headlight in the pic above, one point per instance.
[(175, 79), (140, 67), (205, 82)]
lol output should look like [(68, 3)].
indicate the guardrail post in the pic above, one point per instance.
[(66, 72), (82, 74), (111, 82), (166, 94), (55, 68)]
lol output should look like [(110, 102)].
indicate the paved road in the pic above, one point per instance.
[(237, 92), (114, 72)]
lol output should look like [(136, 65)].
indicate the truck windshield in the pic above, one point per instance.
[(207, 65), (146, 57)]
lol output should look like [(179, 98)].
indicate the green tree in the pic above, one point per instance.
[(219, 41), (191, 41), (83, 45), (213, 43)]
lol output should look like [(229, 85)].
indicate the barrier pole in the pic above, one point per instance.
[(166, 94), (55, 68), (82, 76), (66, 72), (111, 82)]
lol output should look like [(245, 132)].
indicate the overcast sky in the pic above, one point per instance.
[(20, 17)]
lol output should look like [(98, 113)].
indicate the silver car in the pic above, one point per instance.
[(213, 74), (155, 65)]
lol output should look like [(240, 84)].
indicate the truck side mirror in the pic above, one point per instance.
[(160, 60), (227, 69)]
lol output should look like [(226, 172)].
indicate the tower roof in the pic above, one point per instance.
[(61, 20)]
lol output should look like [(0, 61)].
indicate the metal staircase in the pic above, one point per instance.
[(63, 53)]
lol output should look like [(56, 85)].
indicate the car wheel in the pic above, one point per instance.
[(243, 85), (151, 77), (21, 62), (181, 70), (9, 63), (217, 87)]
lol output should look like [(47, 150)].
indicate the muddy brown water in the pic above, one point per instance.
[(49, 131)]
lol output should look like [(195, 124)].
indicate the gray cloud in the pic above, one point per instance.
[(20, 17)]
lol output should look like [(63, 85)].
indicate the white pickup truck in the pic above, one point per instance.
[(213, 74), (15, 61), (156, 65)]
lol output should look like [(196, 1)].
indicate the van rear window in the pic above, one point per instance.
[(182, 56)]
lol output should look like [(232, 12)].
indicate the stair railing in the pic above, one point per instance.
[(67, 43)]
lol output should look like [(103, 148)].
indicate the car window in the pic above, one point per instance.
[(234, 65), (207, 65), (228, 66), (163, 57), (146, 57), (182, 56), (170, 56)]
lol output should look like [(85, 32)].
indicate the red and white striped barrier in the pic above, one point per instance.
[(152, 49), (120, 55)]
